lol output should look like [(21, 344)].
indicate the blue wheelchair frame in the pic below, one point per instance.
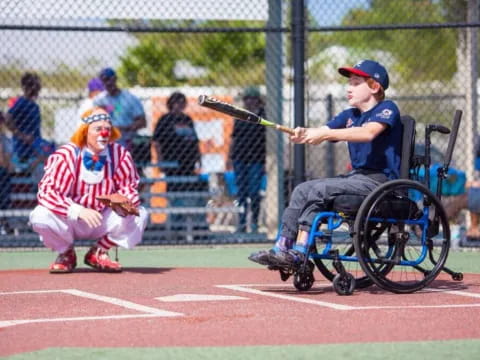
[(344, 282)]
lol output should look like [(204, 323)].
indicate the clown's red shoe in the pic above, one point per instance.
[(98, 259), (64, 263)]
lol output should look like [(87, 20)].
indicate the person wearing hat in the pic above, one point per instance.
[(373, 132), (247, 156), (94, 88), (91, 165), (125, 109)]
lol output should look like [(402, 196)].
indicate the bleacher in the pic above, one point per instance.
[(210, 222)]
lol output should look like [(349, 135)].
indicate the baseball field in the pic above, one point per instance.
[(210, 302)]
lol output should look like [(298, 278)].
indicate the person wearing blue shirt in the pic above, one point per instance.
[(24, 119), (125, 109), (373, 132)]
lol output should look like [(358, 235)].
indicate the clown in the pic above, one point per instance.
[(92, 164)]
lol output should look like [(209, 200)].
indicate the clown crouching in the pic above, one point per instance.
[(91, 165)]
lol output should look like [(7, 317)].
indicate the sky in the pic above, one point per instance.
[(46, 51), (327, 12), (331, 12), (134, 9)]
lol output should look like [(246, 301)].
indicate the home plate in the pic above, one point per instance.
[(198, 297)]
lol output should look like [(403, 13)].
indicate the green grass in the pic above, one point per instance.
[(438, 350), (234, 256), (180, 256)]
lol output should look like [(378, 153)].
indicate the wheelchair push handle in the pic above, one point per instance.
[(440, 128), (453, 138), (443, 171)]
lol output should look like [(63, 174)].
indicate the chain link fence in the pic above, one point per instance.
[(205, 177)]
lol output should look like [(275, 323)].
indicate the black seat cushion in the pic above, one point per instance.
[(400, 208), (348, 204)]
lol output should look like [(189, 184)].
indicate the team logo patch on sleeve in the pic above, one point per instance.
[(349, 123), (385, 114)]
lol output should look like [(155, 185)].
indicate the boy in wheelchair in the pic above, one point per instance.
[(373, 130)]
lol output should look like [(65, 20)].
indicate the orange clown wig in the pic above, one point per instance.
[(79, 137)]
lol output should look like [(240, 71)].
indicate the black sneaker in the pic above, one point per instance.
[(263, 257), (290, 258)]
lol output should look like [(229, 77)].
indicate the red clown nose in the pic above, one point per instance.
[(105, 133)]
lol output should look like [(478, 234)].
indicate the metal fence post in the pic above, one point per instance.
[(274, 82), (330, 156), (298, 48)]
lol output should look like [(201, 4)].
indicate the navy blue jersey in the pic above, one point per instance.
[(384, 152)]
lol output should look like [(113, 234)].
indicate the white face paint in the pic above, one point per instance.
[(102, 142), (98, 135)]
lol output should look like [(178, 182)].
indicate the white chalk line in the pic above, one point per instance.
[(146, 311), (248, 288)]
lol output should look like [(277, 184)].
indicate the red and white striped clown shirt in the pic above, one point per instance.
[(61, 185)]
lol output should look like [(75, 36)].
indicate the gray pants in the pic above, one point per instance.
[(314, 196)]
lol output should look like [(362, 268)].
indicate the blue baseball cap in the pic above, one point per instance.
[(107, 73), (368, 69)]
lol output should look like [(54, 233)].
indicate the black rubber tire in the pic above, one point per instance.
[(364, 247), (303, 280), (344, 284), (361, 281), (458, 276)]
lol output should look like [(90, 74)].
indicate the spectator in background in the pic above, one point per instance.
[(94, 87), (247, 155), (125, 109), (6, 167), (467, 200), (176, 140), (23, 119), (470, 200)]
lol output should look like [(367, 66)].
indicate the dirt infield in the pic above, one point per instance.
[(153, 307)]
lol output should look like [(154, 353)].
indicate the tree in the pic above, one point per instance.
[(414, 50), (229, 57), (418, 54)]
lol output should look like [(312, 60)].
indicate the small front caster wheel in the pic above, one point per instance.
[(344, 284), (457, 276), (303, 280)]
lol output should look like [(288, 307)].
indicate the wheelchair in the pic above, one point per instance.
[(397, 237)]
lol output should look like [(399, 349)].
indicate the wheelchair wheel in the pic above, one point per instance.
[(303, 279), (415, 241), (325, 266), (344, 284)]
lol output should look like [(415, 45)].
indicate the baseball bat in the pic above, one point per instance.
[(240, 113)]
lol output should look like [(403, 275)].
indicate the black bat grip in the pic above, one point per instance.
[(228, 109)]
